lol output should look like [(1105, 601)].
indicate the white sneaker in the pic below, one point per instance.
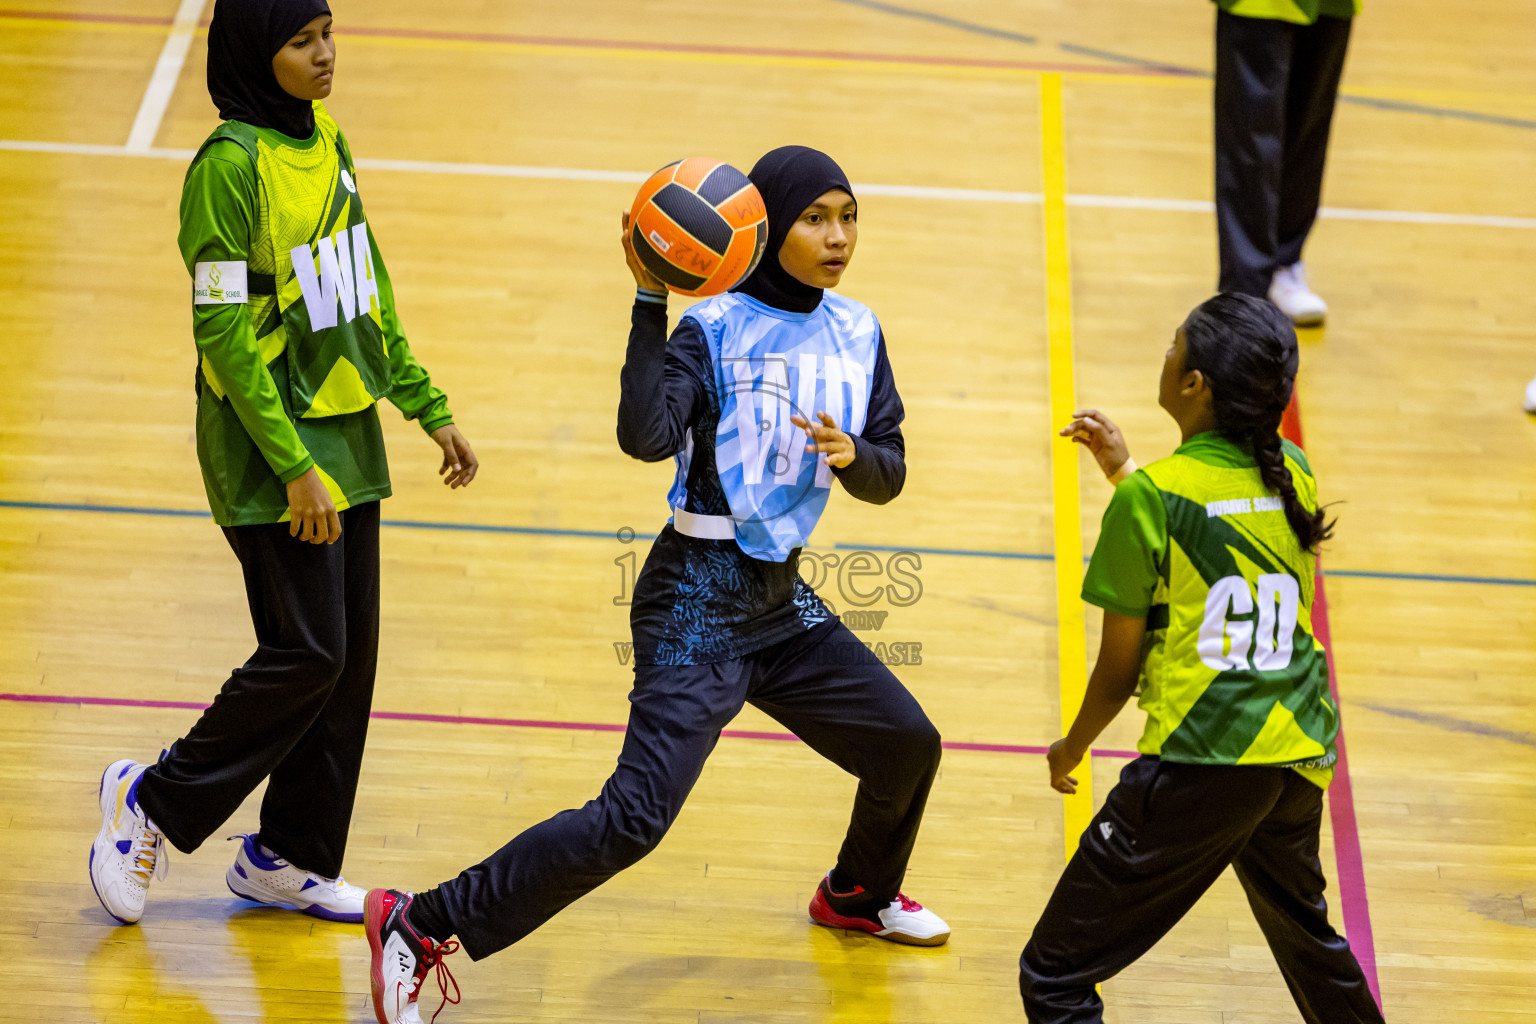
[(1288, 290), (902, 920), (255, 876), (402, 959), (129, 851), (1530, 396)]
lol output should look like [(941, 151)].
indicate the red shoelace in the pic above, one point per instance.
[(433, 961), (910, 906)]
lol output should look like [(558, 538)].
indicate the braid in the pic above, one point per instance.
[(1309, 527), (1247, 350)]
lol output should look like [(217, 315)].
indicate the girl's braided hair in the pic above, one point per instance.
[(1246, 348)]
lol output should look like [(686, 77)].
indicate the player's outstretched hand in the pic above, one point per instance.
[(311, 513), (459, 462), (836, 447), (1061, 762), (643, 278), (1099, 435)]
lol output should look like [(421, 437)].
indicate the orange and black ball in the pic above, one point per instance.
[(699, 225)]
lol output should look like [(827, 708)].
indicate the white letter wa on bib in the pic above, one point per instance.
[(344, 278)]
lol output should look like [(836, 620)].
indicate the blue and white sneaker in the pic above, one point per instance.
[(266, 879), (129, 852)]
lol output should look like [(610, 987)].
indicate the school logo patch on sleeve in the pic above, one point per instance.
[(215, 283)]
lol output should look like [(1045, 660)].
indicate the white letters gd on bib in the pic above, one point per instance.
[(345, 279), (1228, 634)]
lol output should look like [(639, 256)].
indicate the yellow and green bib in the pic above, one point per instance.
[(311, 247), (1232, 673)]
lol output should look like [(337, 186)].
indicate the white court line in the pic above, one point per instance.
[(971, 195), (146, 124)]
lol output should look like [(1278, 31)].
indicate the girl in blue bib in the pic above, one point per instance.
[(764, 397)]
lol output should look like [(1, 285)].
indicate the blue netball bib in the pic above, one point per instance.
[(770, 365)]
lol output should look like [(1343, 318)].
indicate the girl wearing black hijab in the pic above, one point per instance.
[(294, 321), (720, 616)]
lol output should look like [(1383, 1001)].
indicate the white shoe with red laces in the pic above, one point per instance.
[(1288, 289), (402, 958), (901, 920)]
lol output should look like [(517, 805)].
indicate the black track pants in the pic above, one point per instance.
[(1163, 836), (1276, 84), (824, 685), (297, 711)]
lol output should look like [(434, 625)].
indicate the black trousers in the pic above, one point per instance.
[(824, 685), (297, 711), (1163, 836), (1276, 84)]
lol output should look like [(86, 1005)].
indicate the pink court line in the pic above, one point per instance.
[(655, 47), (1355, 904), (517, 723)]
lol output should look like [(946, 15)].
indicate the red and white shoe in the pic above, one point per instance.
[(402, 958), (901, 920)]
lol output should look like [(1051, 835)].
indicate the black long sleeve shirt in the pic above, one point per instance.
[(700, 601)]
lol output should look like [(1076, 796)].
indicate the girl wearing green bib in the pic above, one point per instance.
[(1205, 569), (297, 339)]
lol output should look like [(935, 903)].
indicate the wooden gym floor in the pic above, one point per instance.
[(499, 140)]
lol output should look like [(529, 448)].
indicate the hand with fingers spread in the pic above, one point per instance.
[(1099, 435), (643, 278), (311, 513), (836, 447), (459, 462)]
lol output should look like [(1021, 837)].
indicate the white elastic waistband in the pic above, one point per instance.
[(703, 527)]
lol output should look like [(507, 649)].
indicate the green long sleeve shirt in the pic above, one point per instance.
[(251, 439)]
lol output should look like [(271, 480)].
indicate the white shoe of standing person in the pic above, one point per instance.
[(1288, 290), (1530, 396), (129, 852), (261, 877)]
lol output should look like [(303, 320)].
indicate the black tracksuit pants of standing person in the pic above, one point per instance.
[(823, 684), (297, 711), (1276, 84), (1163, 836)]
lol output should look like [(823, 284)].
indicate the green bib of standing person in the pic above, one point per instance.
[(1299, 12), (318, 302)]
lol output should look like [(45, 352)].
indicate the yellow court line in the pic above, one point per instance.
[(1071, 630), (876, 65), (879, 66), (132, 28), (1111, 73)]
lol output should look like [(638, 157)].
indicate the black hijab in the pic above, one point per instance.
[(790, 178), (242, 40)]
